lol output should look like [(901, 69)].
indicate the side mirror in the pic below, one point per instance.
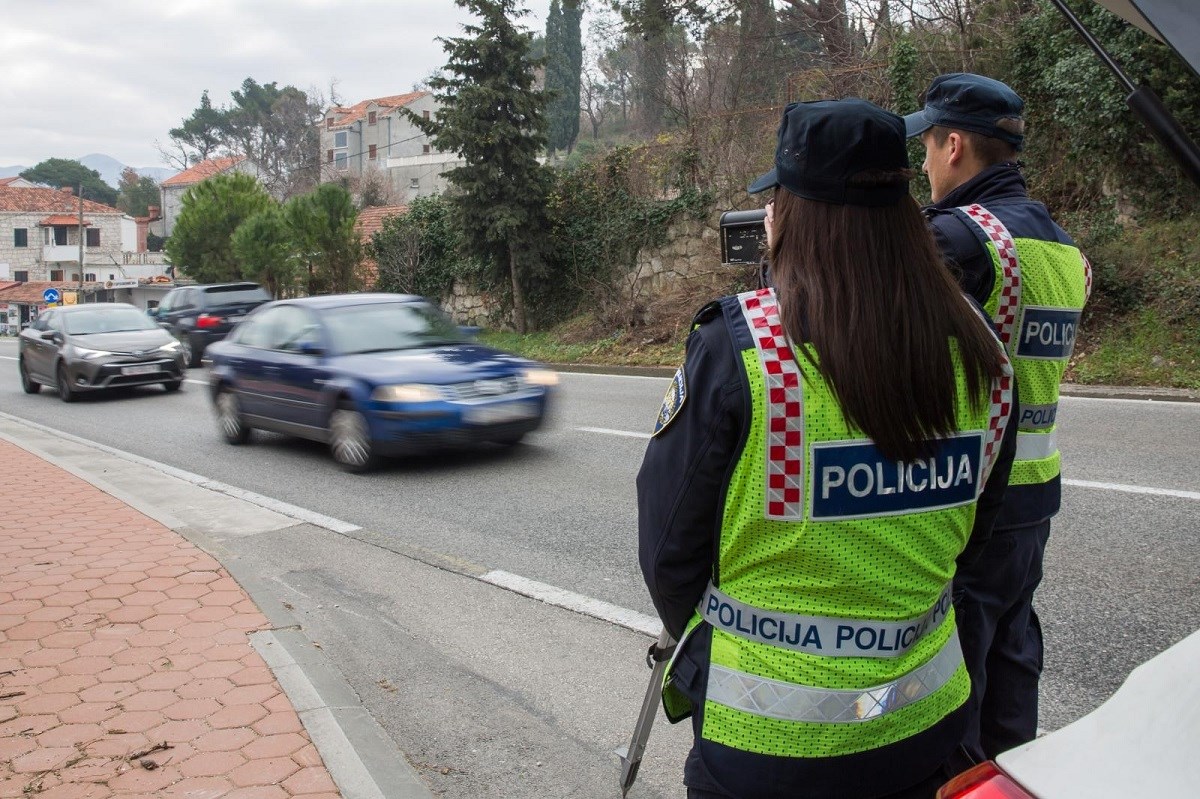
[(152, 313), (165, 325), (310, 348), (51, 335)]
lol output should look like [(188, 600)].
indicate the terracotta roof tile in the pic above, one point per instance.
[(63, 219), (359, 110), (202, 170), (369, 222), (47, 201)]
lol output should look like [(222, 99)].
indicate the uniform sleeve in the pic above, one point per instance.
[(966, 255), (681, 484), (992, 498)]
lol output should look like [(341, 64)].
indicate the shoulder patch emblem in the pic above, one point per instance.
[(672, 402)]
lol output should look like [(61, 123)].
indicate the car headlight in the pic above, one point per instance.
[(408, 392), (170, 346), (541, 377), (90, 355)]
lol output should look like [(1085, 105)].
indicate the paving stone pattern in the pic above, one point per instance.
[(125, 666)]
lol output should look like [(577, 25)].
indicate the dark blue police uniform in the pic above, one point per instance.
[(998, 626)]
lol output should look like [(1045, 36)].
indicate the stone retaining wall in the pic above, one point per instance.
[(690, 257)]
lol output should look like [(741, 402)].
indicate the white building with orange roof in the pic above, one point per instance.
[(174, 187), (373, 140), (40, 235)]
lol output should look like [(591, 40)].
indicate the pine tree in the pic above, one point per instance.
[(556, 79), (493, 117)]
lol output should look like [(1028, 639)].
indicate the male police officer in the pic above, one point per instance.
[(1030, 278)]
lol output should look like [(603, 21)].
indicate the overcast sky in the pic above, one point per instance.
[(113, 76)]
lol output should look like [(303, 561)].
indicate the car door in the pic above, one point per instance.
[(295, 378), (40, 352), (254, 362)]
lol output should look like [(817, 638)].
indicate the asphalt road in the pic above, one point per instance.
[(1121, 570)]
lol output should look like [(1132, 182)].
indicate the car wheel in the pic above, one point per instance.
[(173, 385), (229, 418), (65, 392), (350, 440), (29, 385)]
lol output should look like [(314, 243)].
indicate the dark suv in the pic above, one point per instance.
[(199, 315)]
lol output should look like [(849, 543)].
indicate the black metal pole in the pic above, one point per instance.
[(1146, 105)]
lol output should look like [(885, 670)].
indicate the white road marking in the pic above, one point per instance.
[(1128, 489), (1131, 489), (562, 598), (609, 432)]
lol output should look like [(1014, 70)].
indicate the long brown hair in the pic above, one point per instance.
[(868, 289)]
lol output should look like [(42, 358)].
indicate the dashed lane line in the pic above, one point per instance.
[(1128, 489)]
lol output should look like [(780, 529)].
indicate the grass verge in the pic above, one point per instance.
[(1139, 350)]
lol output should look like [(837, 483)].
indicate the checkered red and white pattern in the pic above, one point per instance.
[(1087, 278), (785, 406), (998, 421), (1005, 319)]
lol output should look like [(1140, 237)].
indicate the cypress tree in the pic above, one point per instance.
[(492, 115)]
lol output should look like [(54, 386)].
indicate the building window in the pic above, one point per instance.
[(329, 123), (371, 151), (329, 156), (21, 275), (415, 183), (90, 277), (339, 139), (425, 149), (93, 237), (425, 114), (21, 237), (56, 275), (370, 117), (341, 160), (59, 233)]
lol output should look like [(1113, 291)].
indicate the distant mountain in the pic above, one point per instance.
[(110, 169)]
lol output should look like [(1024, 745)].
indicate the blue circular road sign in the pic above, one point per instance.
[(51, 295)]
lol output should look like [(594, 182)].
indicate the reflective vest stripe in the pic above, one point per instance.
[(820, 635), (762, 696), (1036, 446), (1087, 278), (1002, 399), (1010, 292), (785, 406)]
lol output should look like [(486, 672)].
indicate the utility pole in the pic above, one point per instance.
[(77, 299)]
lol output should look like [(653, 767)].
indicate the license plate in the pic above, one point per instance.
[(140, 369), (498, 414)]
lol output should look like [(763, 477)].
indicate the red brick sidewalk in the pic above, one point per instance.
[(125, 666)]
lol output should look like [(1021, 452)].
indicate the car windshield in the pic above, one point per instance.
[(382, 327), (107, 320)]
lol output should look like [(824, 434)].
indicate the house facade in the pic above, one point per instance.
[(174, 187), (40, 236), (374, 140)]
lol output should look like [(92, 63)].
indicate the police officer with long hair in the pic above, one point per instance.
[(827, 452)]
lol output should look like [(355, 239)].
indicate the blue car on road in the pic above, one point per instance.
[(371, 375)]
